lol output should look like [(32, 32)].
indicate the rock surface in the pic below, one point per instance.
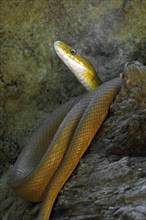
[(108, 33)]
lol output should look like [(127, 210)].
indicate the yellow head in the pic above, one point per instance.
[(79, 65)]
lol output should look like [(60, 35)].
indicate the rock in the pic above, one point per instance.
[(130, 105), (33, 81)]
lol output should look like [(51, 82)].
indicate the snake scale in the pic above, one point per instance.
[(56, 147)]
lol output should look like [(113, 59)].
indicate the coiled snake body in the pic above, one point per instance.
[(56, 147)]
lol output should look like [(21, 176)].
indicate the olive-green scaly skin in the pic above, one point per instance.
[(56, 147)]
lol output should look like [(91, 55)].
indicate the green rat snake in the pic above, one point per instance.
[(56, 147)]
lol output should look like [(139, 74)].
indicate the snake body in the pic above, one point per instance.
[(56, 147)]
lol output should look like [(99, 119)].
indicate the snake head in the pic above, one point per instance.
[(79, 65)]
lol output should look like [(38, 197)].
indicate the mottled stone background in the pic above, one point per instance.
[(33, 81)]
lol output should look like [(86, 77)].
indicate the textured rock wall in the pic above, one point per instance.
[(33, 81)]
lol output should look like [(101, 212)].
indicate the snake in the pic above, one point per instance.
[(56, 146)]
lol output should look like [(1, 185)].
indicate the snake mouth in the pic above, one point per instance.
[(56, 44)]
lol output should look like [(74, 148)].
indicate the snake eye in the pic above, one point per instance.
[(73, 51)]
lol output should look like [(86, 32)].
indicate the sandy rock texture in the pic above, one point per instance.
[(33, 81)]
